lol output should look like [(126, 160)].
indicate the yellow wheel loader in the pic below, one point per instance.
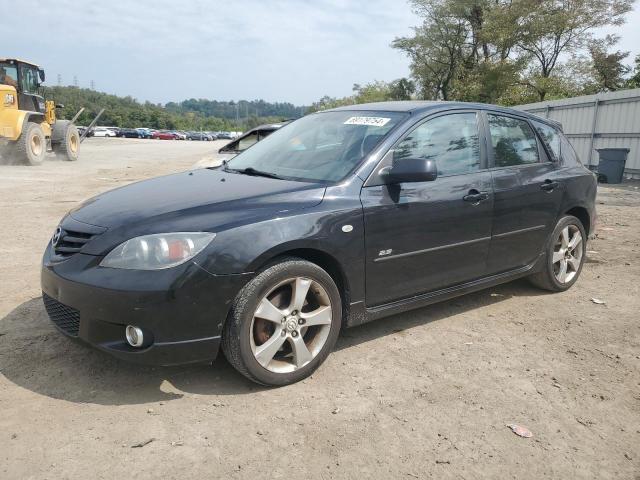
[(28, 124)]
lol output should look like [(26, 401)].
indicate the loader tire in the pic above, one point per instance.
[(31, 146), (65, 140)]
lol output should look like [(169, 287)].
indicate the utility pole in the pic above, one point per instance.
[(59, 80), (93, 85), (75, 80)]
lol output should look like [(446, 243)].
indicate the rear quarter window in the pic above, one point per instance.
[(568, 153), (551, 137)]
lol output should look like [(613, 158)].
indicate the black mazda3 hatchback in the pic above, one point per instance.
[(334, 220)]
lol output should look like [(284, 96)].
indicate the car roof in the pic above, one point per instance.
[(423, 106)]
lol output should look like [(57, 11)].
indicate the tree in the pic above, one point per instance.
[(609, 71), (506, 50), (634, 81), (401, 89), (547, 29), (190, 114), (376, 91), (435, 49), (327, 102)]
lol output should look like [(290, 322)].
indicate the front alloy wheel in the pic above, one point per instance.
[(291, 325), (283, 323)]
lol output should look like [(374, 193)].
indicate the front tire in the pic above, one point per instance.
[(65, 140), (31, 147), (283, 323), (565, 253)]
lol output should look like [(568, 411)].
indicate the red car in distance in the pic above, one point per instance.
[(164, 135)]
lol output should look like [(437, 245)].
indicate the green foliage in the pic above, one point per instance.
[(506, 51), (233, 110), (376, 91), (188, 115), (608, 69), (634, 81)]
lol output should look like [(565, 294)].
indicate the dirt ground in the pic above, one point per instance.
[(426, 394)]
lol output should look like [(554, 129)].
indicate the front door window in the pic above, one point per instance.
[(451, 140)]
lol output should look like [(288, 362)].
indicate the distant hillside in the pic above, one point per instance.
[(187, 115), (233, 110)]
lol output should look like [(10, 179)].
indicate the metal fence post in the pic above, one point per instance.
[(593, 130)]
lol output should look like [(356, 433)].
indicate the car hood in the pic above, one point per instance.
[(199, 200)]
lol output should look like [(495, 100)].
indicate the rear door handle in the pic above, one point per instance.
[(475, 197), (549, 186)]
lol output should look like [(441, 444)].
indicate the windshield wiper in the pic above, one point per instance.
[(253, 172)]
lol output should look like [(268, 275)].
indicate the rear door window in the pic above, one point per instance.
[(514, 142)]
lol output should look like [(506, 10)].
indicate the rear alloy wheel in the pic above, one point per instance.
[(284, 323), (31, 147), (565, 256)]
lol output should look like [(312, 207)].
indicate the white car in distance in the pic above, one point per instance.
[(103, 132)]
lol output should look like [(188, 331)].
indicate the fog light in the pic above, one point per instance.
[(134, 336)]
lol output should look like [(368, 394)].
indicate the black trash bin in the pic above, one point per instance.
[(611, 165)]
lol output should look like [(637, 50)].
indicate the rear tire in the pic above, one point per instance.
[(31, 146), (273, 336), (565, 253), (65, 140)]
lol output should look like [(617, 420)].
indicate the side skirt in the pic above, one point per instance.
[(360, 314)]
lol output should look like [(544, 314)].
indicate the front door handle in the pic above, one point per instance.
[(475, 197), (549, 186)]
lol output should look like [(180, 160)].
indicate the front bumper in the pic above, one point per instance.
[(180, 310)]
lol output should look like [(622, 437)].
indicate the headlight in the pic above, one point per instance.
[(159, 251)]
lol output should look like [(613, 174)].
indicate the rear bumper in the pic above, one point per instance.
[(181, 311)]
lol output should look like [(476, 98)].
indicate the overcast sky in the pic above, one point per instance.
[(161, 50)]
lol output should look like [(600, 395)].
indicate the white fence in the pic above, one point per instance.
[(591, 122)]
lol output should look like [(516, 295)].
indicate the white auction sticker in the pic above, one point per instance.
[(369, 121)]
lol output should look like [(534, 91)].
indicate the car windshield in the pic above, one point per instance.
[(322, 147)]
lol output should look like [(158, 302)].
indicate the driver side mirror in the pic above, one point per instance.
[(410, 170), (41, 75)]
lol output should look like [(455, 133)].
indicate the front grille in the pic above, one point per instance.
[(71, 242), (66, 318)]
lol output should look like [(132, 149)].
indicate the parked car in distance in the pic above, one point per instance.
[(224, 136), (336, 219), (82, 129), (103, 132), (129, 133), (180, 135), (241, 143), (145, 132), (164, 135), (202, 136)]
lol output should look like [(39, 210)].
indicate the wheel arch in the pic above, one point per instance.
[(582, 214), (318, 256), (17, 121)]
